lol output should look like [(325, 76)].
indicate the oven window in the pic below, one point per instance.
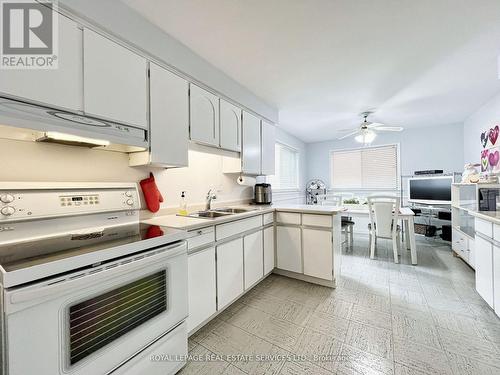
[(100, 320)]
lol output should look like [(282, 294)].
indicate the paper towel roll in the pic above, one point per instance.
[(245, 181)]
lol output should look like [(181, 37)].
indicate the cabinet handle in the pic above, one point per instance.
[(200, 232)]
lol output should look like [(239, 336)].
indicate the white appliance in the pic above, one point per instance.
[(29, 122), (86, 289)]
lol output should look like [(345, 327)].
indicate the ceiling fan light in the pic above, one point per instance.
[(366, 137)]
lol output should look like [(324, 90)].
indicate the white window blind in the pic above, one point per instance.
[(371, 168), (286, 168)]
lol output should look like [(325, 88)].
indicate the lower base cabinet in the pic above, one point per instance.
[(289, 248), (268, 234), (318, 253), (496, 279), (229, 272), (202, 287), (253, 258), (484, 269)]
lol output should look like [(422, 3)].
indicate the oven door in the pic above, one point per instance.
[(90, 322)]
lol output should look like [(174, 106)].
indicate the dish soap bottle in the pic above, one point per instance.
[(183, 205)]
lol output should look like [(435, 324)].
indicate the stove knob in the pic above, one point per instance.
[(130, 202), (7, 210), (7, 198), (128, 193)]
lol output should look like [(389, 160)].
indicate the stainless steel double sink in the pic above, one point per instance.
[(219, 212)]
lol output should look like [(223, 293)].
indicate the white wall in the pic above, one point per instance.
[(30, 161), (484, 118), (437, 147)]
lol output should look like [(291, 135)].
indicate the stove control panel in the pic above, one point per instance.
[(23, 204)]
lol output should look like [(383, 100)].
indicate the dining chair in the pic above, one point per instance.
[(347, 224), (383, 211)]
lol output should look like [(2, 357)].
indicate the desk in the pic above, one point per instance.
[(406, 215)]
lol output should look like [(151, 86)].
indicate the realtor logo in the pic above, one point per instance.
[(29, 34)]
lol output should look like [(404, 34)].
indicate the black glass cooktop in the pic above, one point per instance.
[(31, 253)]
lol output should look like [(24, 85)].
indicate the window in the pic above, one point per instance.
[(369, 168), (287, 168)]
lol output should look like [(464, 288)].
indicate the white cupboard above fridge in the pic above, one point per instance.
[(61, 87), (114, 81)]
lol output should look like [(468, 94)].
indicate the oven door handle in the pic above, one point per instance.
[(65, 284)]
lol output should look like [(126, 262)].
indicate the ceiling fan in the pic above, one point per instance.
[(367, 131)]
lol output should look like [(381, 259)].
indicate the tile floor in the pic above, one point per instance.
[(383, 318)]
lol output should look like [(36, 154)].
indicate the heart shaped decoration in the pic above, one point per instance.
[(484, 138), (493, 158), (493, 135), (484, 160)]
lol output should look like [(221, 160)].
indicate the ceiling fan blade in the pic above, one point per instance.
[(389, 128), (348, 130), (348, 134), (374, 124)]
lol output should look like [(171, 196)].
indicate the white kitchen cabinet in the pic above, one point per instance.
[(318, 253), (114, 81), (230, 126), (169, 121), (251, 148), (496, 279), (268, 249), (253, 258), (268, 141), (61, 87), (484, 269), (229, 272), (201, 287), (289, 248), (204, 116)]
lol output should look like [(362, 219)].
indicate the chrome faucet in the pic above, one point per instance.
[(210, 196)]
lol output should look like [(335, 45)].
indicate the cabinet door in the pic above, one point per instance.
[(114, 81), (268, 153), (201, 287), (230, 126), (251, 144), (169, 133), (484, 269), (204, 116), (318, 253), (229, 272), (496, 279), (61, 87), (268, 250), (289, 248), (254, 258)]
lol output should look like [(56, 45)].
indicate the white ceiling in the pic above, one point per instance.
[(322, 62)]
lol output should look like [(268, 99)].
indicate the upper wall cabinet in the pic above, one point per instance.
[(169, 124), (114, 81), (230, 126), (268, 154), (204, 116), (61, 87), (251, 155)]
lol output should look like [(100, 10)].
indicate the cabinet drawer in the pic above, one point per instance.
[(484, 227), (268, 218), (317, 220), (235, 227), (496, 232), (288, 218), (200, 237)]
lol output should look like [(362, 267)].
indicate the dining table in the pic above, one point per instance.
[(405, 214)]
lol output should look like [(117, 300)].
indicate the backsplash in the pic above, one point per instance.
[(29, 161)]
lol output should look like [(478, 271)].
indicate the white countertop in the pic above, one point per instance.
[(191, 223), (492, 216)]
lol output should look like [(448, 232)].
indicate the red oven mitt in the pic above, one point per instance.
[(151, 193)]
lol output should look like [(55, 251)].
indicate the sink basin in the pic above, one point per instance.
[(208, 214), (233, 210)]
